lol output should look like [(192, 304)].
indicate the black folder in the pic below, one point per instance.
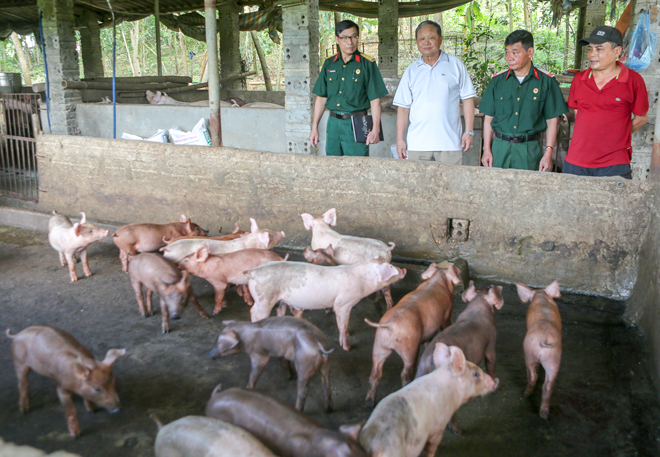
[(362, 125)]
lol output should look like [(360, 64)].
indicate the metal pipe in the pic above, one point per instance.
[(159, 61), (210, 11)]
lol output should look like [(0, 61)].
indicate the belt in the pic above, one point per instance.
[(348, 115), (518, 139)]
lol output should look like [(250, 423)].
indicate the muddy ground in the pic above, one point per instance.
[(604, 401)]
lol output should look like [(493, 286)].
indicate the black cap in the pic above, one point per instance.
[(603, 34)]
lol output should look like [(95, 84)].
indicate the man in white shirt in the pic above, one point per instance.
[(429, 97)]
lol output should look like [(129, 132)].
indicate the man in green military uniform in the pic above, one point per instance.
[(349, 84), (520, 103)]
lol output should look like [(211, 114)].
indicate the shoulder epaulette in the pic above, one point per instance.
[(368, 57), (333, 57), (546, 72), (500, 72)]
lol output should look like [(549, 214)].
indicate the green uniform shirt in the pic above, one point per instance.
[(349, 86), (522, 108)]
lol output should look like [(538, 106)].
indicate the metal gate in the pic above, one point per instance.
[(19, 119)]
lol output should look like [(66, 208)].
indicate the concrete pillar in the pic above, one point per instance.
[(301, 68), (595, 16), (210, 12), (60, 41), (643, 140), (90, 44), (230, 43), (388, 43)]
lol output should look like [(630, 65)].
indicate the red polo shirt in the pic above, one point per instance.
[(601, 136)]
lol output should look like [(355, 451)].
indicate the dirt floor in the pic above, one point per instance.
[(604, 402)]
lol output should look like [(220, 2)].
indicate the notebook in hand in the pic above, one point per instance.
[(362, 125)]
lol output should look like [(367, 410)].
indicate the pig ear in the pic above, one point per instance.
[(524, 292), (470, 294), (430, 271), (83, 218), (112, 355), (183, 218), (236, 227), (253, 225), (441, 355), (81, 370), (386, 271), (457, 360), (217, 389), (77, 227), (494, 296), (308, 220), (553, 289), (330, 217), (203, 252), (330, 250), (232, 338), (454, 274), (264, 238), (352, 430)]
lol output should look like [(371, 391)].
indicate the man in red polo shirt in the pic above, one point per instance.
[(604, 98)]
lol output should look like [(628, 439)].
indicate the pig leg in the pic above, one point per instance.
[(202, 312), (531, 364), (291, 373), (83, 259), (380, 354), (296, 312), (89, 406), (551, 370), (408, 372), (123, 257), (219, 297), (281, 310), (165, 315), (453, 425), (71, 261), (69, 411), (306, 366), (432, 444), (342, 315), (137, 288), (490, 360), (62, 259), (150, 308), (325, 379), (260, 310), (303, 389), (259, 362), (22, 371), (388, 296)]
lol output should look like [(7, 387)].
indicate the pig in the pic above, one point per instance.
[(308, 286), (286, 431), (473, 332), (70, 239), (221, 270), (411, 421), (347, 250), (321, 257), (542, 342), (55, 354), (237, 233), (256, 239), (171, 284), (295, 340), (413, 321), (199, 436), (146, 237)]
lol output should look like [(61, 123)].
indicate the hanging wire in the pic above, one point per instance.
[(114, 73), (43, 50)]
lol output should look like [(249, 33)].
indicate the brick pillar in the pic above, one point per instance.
[(90, 43), (60, 41), (230, 44), (595, 16), (301, 68), (388, 44)]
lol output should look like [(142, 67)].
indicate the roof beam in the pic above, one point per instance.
[(4, 4)]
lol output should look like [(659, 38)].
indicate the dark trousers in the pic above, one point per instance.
[(615, 170)]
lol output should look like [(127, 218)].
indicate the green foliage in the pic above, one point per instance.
[(479, 58)]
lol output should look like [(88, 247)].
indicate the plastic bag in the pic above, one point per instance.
[(158, 137), (642, 45), (198, 136)]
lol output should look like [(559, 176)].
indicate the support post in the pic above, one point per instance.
[(159, 59), (60, 41), (90, 44), (262, 59), (230, 42), (212, 67), (388, 43), (301, 68), (594, 16)]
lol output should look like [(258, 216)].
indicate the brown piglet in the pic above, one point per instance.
[(55, 354), (223, 269), (473, 332), (145, 237), (542, 342), (413, 321), (171, 284)]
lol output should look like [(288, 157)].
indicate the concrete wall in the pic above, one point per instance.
[(523, 226), (260, 129)]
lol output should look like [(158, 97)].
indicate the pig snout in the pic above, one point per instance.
[(213, 353), (175, 316)]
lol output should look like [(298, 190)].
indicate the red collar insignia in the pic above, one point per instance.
[(508, 73)]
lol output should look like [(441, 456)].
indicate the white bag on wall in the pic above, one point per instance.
[(198, 136)]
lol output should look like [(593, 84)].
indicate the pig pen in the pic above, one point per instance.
[(604, 401)]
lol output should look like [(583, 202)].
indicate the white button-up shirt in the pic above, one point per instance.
[(433, 94)]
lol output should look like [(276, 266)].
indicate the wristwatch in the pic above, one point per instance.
[(470, 132)]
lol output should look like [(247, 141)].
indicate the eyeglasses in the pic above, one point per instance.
[(347, 38)]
